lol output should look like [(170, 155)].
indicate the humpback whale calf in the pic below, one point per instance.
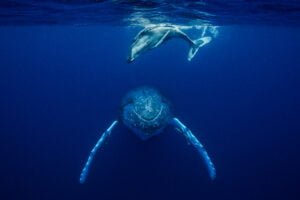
[(152, 37), (146, 112)]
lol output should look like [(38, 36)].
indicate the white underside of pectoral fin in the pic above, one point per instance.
[(162, 39), (104, 136), (196, 143)]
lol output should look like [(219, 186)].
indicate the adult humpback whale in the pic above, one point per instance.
[(146, 112), (152, 37)]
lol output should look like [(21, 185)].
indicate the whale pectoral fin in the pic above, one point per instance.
[(196, 143), (140, 34), (161, 39), (87, 165)]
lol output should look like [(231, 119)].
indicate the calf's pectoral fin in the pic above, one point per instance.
[(161, 39)]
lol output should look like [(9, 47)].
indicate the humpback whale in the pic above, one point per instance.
[(152, 37), (146, 112)]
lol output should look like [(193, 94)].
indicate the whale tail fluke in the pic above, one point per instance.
[(196, 45)]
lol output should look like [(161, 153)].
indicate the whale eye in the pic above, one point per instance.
[(129, 101)]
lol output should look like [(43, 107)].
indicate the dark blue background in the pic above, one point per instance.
[(60, 87)]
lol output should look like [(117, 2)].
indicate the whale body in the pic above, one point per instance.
[(152, 37), (147, 113)]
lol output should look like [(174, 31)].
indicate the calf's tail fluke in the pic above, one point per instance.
[(196, 45)]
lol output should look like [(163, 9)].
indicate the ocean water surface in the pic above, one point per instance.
[(63, 74)]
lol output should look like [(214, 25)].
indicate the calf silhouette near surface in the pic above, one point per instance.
[(154, 36), (146, 112)]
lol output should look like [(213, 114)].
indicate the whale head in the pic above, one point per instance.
[(140, 45), (136, 50), (145, 112), (132, 55)]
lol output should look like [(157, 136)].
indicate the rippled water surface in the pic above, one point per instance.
[(218, 12)]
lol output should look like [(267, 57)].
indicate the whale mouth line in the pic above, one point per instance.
[(149, 120)]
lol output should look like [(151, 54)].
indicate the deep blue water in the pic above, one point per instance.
[(61, 87)]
